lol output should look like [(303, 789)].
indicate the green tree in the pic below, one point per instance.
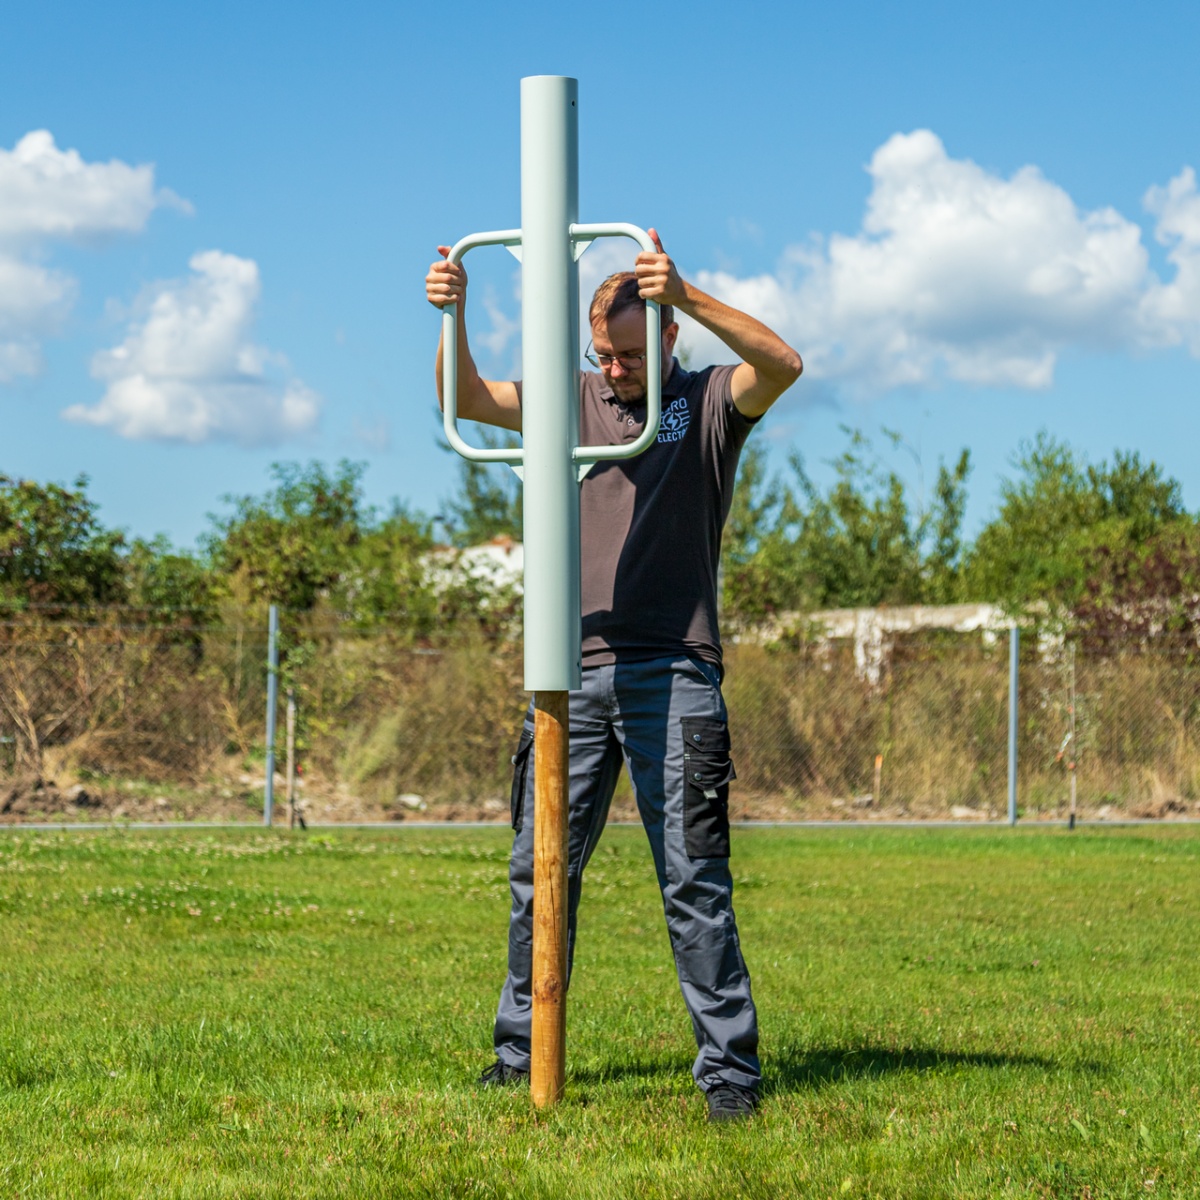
[(752, 516), (488, 502), (1056, 513), (858, 544), (1136, 494), (794, 547), (387, 575), (1140, 589), (292, 545), (942, 530), (311, 541), (53, 548), (160, 577)]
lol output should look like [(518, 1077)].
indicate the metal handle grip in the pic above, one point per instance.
[(511, 454), (593, 454)]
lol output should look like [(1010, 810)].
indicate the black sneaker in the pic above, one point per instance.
[(728, 1102), (500, 1074)]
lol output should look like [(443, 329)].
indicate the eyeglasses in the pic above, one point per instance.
[(631, 362)]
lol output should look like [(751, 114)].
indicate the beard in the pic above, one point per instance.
[(629, 391)]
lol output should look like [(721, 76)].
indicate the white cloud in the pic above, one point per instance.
[(375, 435), (33, 302), (49, 195), (961, 274), (1171, 312), (46, 192), (20, 356), (188, 370), (503, 329)]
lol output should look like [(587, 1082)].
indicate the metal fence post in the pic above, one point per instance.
[(1014, 642), (289, 773), (272, 704)]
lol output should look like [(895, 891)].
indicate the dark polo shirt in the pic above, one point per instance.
[(651, 526)]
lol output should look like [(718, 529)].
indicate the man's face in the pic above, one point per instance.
[(624, 335)]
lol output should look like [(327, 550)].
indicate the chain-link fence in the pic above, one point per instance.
[(152, 715), (1124, 713), (127, 711), (928, 735)]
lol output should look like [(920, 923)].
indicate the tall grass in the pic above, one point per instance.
[(127, 694), (806, 726), (385, 714)]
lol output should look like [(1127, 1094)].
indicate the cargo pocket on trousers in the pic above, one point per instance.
[(707, 772), (520, 762)]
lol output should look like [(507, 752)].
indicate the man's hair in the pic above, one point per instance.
[(619, 292)]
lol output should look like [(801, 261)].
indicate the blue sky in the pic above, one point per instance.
[(974, 222)]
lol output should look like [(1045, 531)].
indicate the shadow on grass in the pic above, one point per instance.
[(816, 1068), (810, 1070)]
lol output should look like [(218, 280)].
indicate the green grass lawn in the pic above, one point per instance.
[(974, 1012)]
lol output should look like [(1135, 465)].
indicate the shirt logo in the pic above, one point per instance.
[(675, 421)]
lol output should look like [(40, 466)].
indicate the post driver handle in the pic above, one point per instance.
[(585, 455), (512, 455)]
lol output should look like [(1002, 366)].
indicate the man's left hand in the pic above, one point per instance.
[(657, 277)]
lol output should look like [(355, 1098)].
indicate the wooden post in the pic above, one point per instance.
[(548, 1036)]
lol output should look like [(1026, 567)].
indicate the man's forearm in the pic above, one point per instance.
[(750, 340), (478, 400), (468, 373)]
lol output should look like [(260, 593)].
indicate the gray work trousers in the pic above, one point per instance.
[(666, 720)]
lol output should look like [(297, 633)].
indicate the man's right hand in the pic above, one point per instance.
[(493, 403), (446, 282)]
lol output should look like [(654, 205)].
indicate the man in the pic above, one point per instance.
[(650, 545)]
